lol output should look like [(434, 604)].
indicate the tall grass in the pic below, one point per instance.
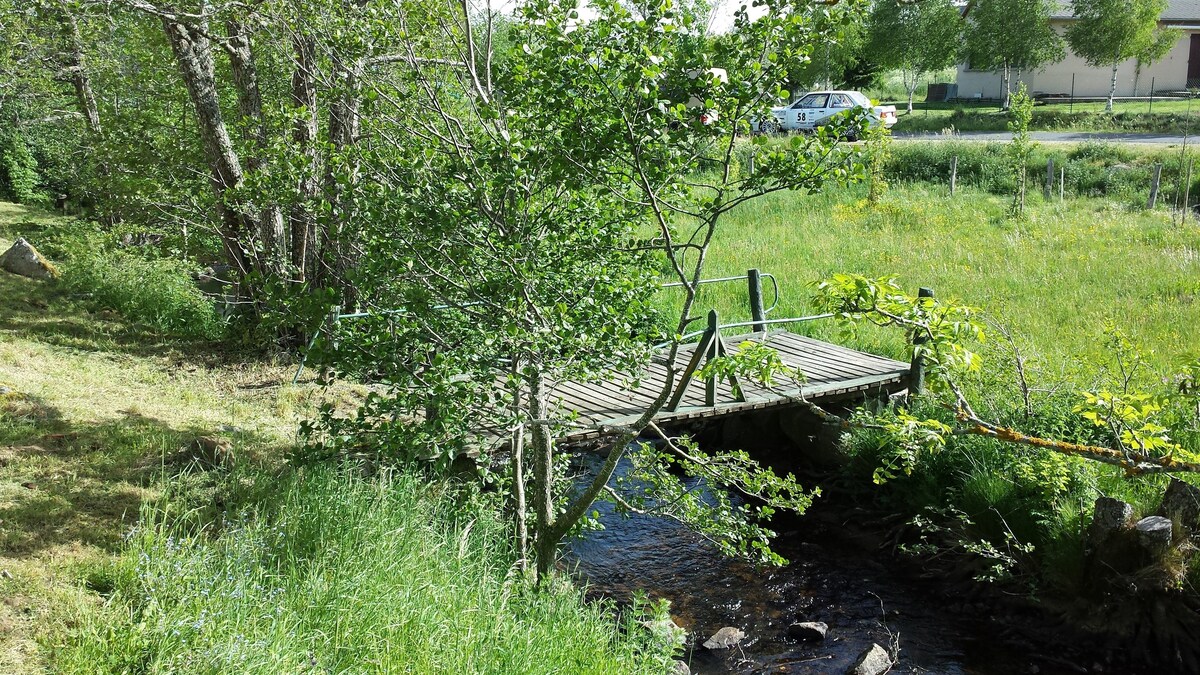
[(1055, 278), (334, 573)]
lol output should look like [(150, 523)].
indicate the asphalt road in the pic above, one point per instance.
[(1049, 137)]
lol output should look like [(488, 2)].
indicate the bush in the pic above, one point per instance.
[(153, 291), (18, 170), (342, 574), (159, 294), (1090, 169)]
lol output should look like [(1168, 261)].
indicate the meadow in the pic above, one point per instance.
[(1055, 278)]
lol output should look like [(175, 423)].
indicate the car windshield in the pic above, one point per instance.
[(812, 101)]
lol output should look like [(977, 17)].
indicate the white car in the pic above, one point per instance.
[(816, 108)]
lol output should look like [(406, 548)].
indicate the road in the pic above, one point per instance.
[(1050, 137)]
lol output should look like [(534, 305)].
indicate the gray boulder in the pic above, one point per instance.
[(1155, 533), (1181, 503), (24, 260), (725, 638), (808, 630), (873, 661)]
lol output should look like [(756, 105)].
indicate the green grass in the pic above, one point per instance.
[(1055, 278), (282, 572), (1171, 117), (341, 574)]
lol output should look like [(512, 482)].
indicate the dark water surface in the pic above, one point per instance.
[(861, 600)]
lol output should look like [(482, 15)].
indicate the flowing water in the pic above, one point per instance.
[(828, 580)]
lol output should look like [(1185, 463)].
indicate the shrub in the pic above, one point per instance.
[(157, 293), (18, 170)]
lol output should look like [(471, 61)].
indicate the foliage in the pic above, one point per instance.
[(1107, 32), (511, 254), (1020, 111), (18, 170), (702, 499), (333, 572), (1012, 34), (915, 37)]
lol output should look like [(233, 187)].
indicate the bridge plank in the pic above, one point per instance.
[(830, 371)]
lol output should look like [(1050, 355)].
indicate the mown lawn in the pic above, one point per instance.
[(1174, 116)]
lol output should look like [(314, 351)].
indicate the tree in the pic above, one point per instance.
[(915, 38), (523, 220), (1107, 32), (1008, 35)]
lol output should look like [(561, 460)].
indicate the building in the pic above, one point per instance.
[(1178, 70)]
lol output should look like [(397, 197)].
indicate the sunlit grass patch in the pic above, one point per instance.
[(339, 574)]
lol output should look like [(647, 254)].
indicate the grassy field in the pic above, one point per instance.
[(124, 547), (1174, 117), (1055, 278)]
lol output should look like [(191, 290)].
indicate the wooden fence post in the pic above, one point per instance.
[(916, 369), (1048, 189), (1062, 183), (1154, 182), (953, 174), (1187, 191), (756, 300), (714, 350)]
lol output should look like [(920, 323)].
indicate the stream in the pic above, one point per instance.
[(828, 579)]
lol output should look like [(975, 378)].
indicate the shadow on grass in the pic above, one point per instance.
[(65, 484)]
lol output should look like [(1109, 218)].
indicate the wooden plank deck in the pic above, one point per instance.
[(831, 372)]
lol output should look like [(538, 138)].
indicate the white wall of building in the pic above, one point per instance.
[(1169, 73)]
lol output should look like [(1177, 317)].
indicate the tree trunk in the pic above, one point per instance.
[(341, 175), (1137, 75), (1112, 89), (912, 88), (545, 538), (194, 56), (255, 135), (1005, 87), (77, 67), (302, 218), (520, 521)]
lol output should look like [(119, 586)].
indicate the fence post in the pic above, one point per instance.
[(1048, 189), (916, 369), (1187, 192), (1072, 107), (1062, 183), (756, 300), (1152, 97), (710, 385), (1154, 182), (953, 174)]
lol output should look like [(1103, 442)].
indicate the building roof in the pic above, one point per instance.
[(1177, 10)]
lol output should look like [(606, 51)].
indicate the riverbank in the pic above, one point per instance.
[(153, 518)]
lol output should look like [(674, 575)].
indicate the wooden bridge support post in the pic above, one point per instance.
[(916, 370), (757, 313)]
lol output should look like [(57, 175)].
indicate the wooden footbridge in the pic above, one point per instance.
[(830, 372)]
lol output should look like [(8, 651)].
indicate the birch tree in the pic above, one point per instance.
[(915, 38), (1109, 32)]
